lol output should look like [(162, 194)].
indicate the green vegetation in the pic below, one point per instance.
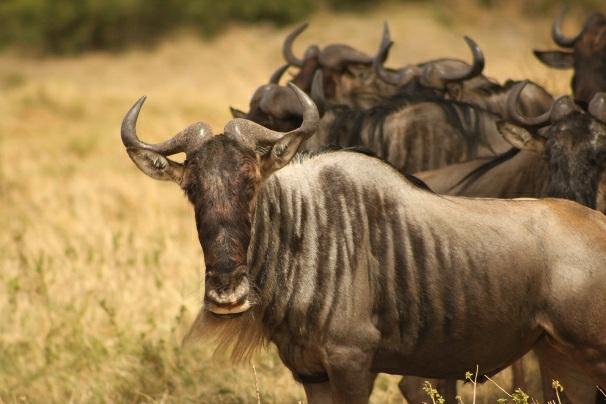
[(73, 26), (68, 26)]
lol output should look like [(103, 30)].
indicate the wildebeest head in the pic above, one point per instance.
[(221, 176), (587, 56), (347, 73), (273, 106), (574, 145), (348, 78), (441, 77)]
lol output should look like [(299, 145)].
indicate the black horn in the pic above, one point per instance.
[(386, 37), (476, 68), (287, 51), (277, 75), (336, 56), (185, 141), (317, 91), (556, 31), (399, 77), (516, 116)]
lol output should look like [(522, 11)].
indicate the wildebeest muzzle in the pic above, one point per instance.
[(227, 292)]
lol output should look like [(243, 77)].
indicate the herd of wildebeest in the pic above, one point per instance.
[(355, 219)]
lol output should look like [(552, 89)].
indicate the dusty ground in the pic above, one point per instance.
[(100, 267)]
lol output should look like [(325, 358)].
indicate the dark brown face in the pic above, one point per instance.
[(590, 60), (221, 176), (586, 54), (576, 153), (572, 141), (221, 179)]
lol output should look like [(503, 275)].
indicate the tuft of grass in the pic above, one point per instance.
[(433, 394)]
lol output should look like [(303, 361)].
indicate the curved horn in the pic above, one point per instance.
[(399, 77), (514, 113), (597, 107), (385, 39), (311, 116), (277, 75), (184, 141), (317, 87), (256, 134), (380, 58), (337, 55), (556, 31), (317, 90), (476, 68), (287, 52)]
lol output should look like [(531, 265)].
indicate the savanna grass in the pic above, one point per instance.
[(100, 266)]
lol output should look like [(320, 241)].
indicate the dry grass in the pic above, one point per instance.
[(100, 267)]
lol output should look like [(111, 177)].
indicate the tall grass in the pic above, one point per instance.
[(100, 267)]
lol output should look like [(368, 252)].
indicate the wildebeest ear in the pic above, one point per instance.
[(520, 138), (156, 165), (287, 145), (281, 153), (236, 113), (455, 90), (556, 59)]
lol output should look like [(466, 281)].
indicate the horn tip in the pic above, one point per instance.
[(294, 87), (521, 85), (304, 98), (474, 46)]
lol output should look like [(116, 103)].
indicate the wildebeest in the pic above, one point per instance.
[(348, 79), (561, 154), (355, 79), (409, 133), (348, 75), (454, 79), (587, 57), (567, 159), (351, 270)]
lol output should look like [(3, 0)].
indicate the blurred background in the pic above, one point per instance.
[(100, 266)]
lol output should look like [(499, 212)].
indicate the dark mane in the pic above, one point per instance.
[(346, 128), (484, 168)]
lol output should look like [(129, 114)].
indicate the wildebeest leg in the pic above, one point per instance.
[(578, 387), (318, 393), (519, 376), (411, 388), (351, 380)]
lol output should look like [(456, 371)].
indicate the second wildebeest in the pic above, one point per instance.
[(351, 270), (453, 79), (410, 134), (585, 53), (562, 155)]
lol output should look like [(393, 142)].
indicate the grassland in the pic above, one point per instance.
[(100, 267)]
